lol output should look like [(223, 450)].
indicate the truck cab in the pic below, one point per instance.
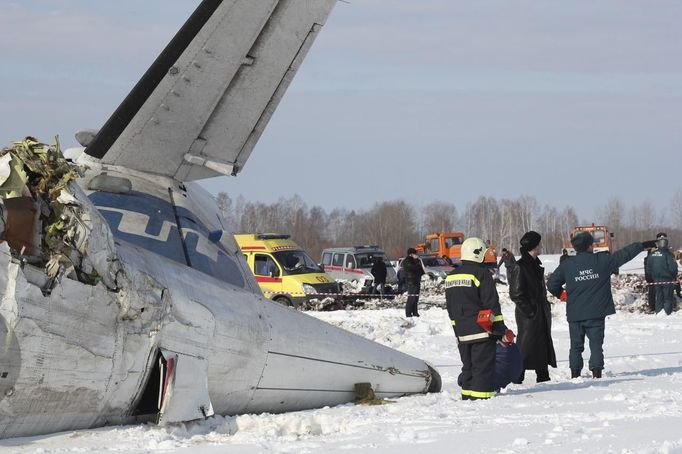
[(449, 244), (603, 239)]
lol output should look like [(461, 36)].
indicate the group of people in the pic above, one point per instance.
[(482, 336)]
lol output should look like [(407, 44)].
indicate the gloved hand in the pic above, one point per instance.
[(649, 244), (508, 338), (563, 296)]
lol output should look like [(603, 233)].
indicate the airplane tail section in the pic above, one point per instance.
[(203, 104)]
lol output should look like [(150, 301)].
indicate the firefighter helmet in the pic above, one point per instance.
[(473, 249)]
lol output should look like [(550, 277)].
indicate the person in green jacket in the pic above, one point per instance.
[(588, 284), (661, 266)]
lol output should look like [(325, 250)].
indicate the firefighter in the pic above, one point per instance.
[(588, 283), (470, 291), (662, 269)]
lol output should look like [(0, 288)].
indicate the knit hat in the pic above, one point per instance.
[(582, 241), (411, 250), (661, 235), (530, 240)]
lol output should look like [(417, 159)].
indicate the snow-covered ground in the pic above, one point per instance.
[(636, 407)]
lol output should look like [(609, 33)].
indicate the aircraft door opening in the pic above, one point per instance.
[(183, 394)]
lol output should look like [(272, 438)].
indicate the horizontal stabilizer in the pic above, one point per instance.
[(203, 104)]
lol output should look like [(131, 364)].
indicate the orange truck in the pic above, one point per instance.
[(603, 239), (449, 244)]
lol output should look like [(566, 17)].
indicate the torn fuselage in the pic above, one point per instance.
[(151, 314)]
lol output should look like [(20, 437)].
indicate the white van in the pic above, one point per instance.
[(355, 264)]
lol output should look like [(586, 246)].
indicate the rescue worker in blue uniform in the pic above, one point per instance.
[(468, 290), (662, 269), (588, 284)]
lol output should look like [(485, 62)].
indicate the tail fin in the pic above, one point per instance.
[(201, 107)]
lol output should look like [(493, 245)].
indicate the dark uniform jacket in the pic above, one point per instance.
[(527, 290), (660, 265), (588, 282), (469, 289), (413, 270), (379, 271)]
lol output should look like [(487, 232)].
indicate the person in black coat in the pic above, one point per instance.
[(413, 271), (526, 279), (379, 272)]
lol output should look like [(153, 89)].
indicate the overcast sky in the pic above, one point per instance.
[(422, 100)]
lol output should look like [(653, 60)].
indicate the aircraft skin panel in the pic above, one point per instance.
[(109, 133), (215, 99), (174, 114), (252, 97)]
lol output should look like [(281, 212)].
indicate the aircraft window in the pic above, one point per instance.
[(142, 220), (327, 258), (205, 255), (337, 260), (264, 265)]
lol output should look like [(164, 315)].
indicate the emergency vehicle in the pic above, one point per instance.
[(285, 273), (449, 244), (354, 264), (603, 239)]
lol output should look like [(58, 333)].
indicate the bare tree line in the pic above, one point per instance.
[(396, 225)]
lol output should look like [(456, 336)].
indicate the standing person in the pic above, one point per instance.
[(588, 283), (650, 288), (527, 290), (379, 272), (412, 267), (505, 257), (468, 290), (564, 255), (678, 287), (661, 267)]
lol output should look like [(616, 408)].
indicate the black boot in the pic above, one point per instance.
[(596, 373), (542, 375), (575, 373)]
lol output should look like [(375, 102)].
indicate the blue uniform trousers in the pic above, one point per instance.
[(594, 330), (664, 298)]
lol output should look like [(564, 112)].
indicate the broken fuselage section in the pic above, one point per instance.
[(132, 304)]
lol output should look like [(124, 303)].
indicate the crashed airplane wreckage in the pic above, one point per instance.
[(123, 298)]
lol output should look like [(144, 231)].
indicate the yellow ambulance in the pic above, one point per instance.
[(285, 273)]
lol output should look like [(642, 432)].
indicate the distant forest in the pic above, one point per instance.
[(396, 225)]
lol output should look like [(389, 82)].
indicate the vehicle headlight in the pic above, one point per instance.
[(309, 289)]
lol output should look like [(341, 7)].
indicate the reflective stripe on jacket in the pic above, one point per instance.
[(469, 289)]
